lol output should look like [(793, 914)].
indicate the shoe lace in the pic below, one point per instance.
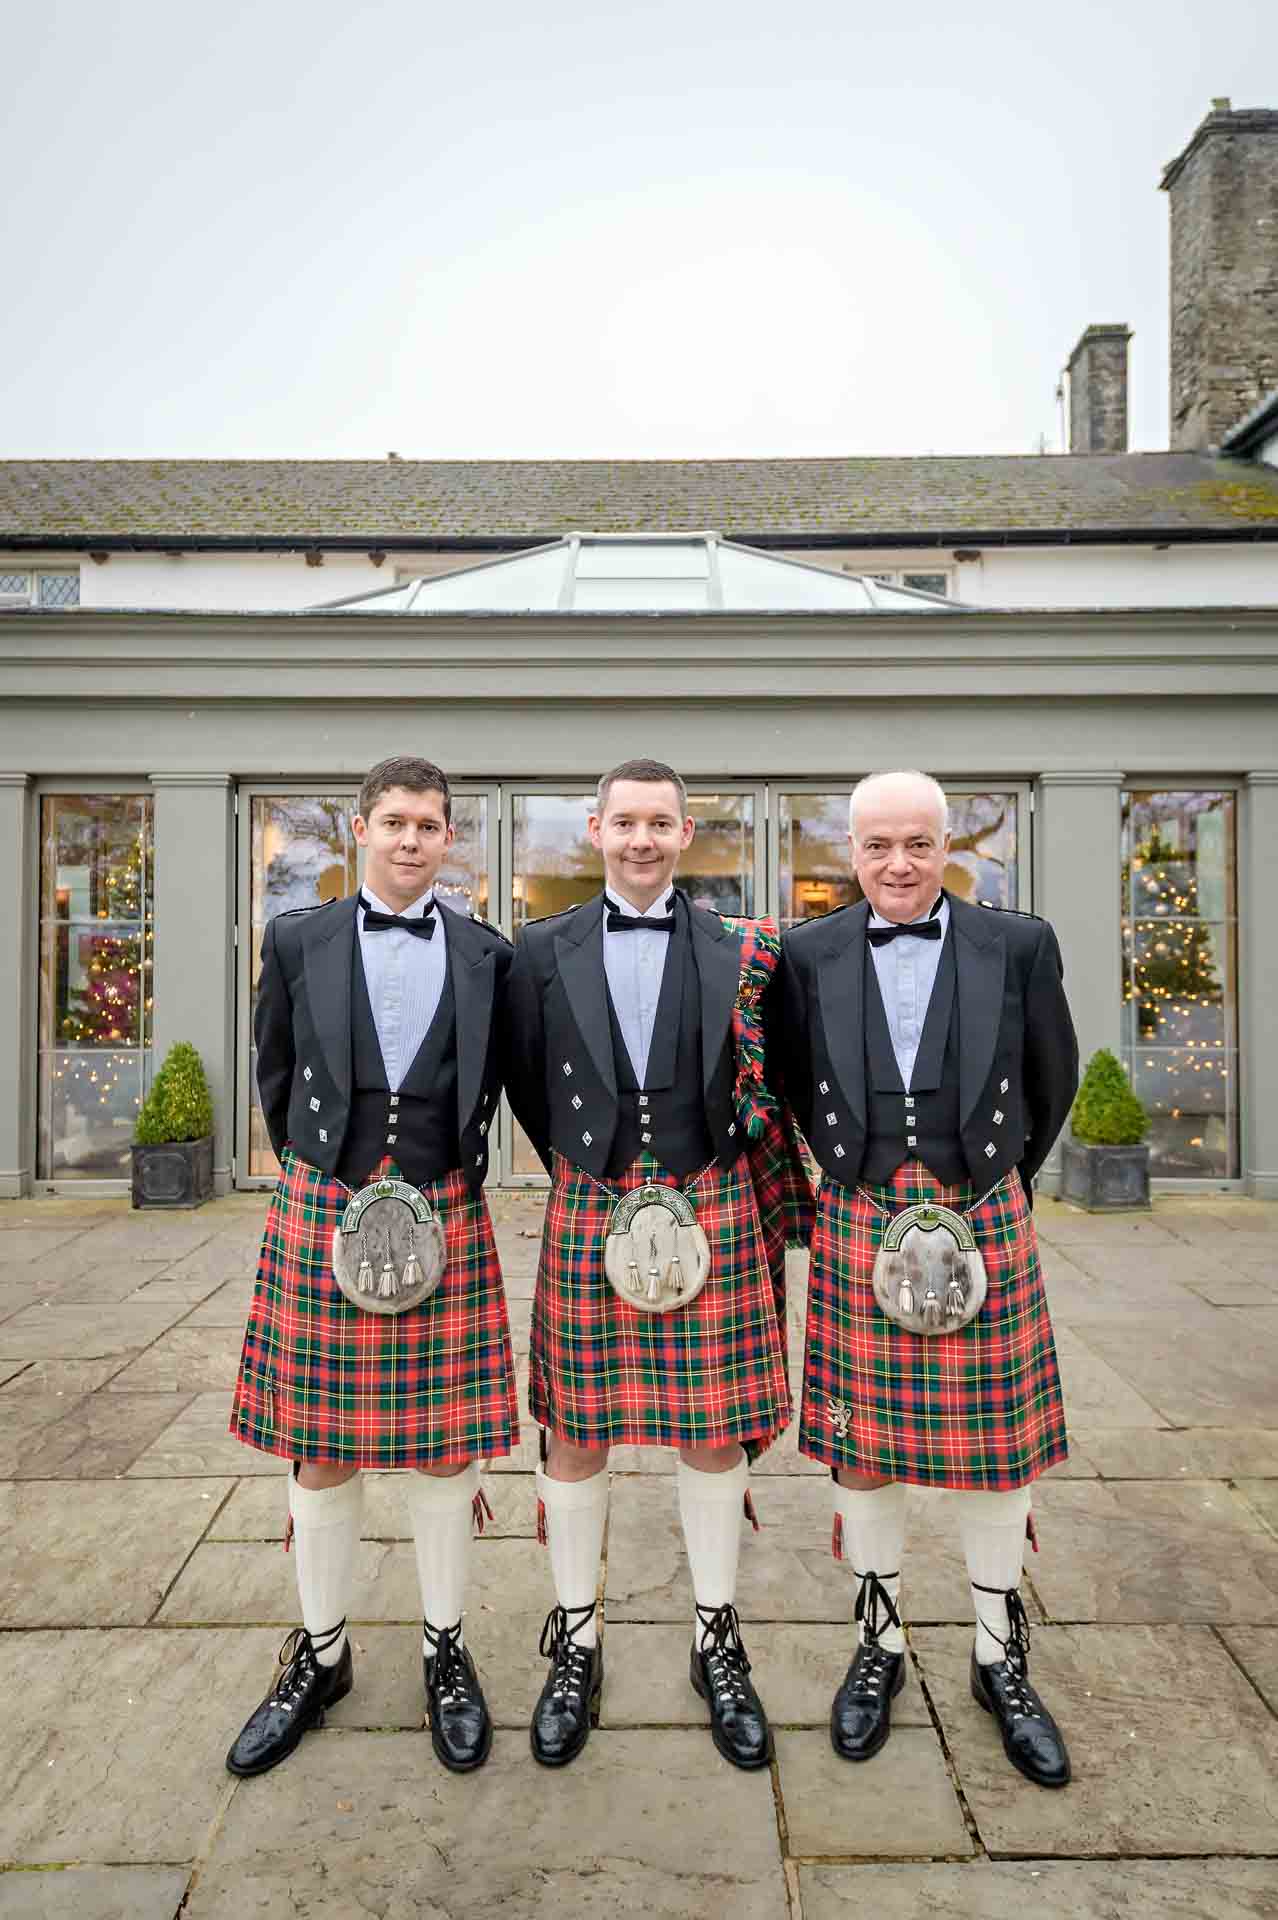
[(450, 1673), (297, 1658), (570, 1663), (726, 1661), (875, 1610), (1014, 1666)]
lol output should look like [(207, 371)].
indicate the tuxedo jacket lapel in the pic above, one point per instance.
[(980, 961), (718, 960), (841, 987), (472, 968), (579, 956), (328, 954)]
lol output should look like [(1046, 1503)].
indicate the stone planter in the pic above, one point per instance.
[(177, 1174), (1104, 1179)]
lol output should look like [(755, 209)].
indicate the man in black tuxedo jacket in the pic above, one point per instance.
[(928, 1054), (378, 1058)]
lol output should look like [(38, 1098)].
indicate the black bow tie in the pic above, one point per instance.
[(374, 922), (921, 929), (619, 922)]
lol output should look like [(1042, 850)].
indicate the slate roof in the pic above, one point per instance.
[(428, 503)]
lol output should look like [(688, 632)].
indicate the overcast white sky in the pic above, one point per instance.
[(677, 229)]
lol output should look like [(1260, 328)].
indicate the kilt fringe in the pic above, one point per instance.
[(604, 1373), (979, 1408), (322, 1380)]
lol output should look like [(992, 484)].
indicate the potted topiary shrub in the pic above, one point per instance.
[(1104, 1162), (173, 1138)]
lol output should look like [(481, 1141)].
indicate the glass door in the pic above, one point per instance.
[(551, 864), (297, 849), (810, 870)]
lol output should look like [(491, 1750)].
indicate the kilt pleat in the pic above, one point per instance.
[(977, 1408), (322, 1380), (603, 1372)]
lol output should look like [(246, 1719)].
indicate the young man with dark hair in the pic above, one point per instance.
[(378, 1334), (655, 1320)]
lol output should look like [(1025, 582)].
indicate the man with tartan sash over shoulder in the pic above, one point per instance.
[(624, 1066), (378, 1070), (929, 1057)]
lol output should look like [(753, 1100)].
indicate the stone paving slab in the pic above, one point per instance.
[(1095, 1394), (162, 1292), (185, 1360), (1121, 1289), (1238, 1289), (23, 1417), (228, 1306), (795, 1668), (25, 1245), (368, 1823), (93, 1893), (215, 1262), (84, 1332), (86, 1712), (1137, 1551), (1165, 1453), (100, 1437), (1223, 1377), (93, 1284), (1256, 1651), (73, 1558), (1172, 1751), (71, 1378), (1043, 1890), (199, 1442), (899, 1804), (1262, 1497), (787, 1570)]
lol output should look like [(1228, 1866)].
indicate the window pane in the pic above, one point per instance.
[(927, 582), (58, 589), (15, 586), (1180, 1006), (96, 930), (816, 873), (463, 878)]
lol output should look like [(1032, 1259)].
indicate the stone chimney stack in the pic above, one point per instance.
[(1098, 391), (1223, 191)]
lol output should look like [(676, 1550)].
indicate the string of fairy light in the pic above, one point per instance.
[(108, 999), (1172, 975)]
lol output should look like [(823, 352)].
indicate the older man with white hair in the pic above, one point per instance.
[(928, 1054)]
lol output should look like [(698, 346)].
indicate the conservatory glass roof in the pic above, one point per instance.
[(644, 573)]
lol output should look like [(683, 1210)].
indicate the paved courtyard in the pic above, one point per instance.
[(143, 1595)]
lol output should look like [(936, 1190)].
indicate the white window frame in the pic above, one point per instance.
[(34, 575)]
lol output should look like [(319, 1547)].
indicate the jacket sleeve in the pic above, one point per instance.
[(523, 1050), (273, 1037), (1051, 1054)]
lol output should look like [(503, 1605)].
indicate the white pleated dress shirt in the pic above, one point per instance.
[(906, 970), (634, 964), (405, 978)]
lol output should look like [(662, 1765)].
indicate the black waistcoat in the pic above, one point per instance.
[(666, 1116), (922, 1124), (417, 1126)]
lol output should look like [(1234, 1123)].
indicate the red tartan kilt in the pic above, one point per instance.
[(320, 1379), (977, 1408), (604, 1372)]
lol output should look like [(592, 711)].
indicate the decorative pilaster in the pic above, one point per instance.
[(18, 837), (1077, 886), (194, 965), (1257, 995)]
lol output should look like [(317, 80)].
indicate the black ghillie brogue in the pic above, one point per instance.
[(1032, 1740), (561, 1719), (461, 1730), (861, 1712), (296, 1702), (720, 1672)]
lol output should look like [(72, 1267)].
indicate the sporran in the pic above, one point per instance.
[(388, 1250), (928, 1275), (656, 1255)]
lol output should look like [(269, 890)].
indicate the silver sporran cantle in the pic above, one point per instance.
[(388, 1250), (656, 1256), (928, 1273)]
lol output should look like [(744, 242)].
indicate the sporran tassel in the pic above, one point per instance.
[(955, 1300), (905, 1298), (364, 1278), (633, 1280), (388, 1284), (654, 1284), (412, 1274), (676, 1275), (931, 1310)]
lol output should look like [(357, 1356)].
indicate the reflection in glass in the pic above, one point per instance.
[(305, 853), (1180, 1012), (816, 874), (96, 931)]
